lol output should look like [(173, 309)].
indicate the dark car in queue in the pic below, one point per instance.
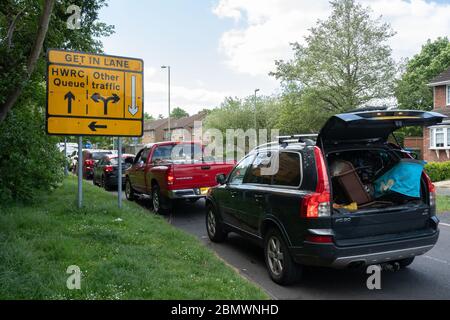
[(320, 206), (107, 168), (90, 158)]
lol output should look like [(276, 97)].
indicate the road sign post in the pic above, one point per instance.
[(66, 170), (119, 176), (94, 95), (80, 172)]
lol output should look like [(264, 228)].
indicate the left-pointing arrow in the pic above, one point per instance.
[(69, 97), (94, 126)]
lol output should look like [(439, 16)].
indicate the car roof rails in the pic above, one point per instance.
[(307, 139)]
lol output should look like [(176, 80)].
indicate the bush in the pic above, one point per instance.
[(29, 159), (438, 171)]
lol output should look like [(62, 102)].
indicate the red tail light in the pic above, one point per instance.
[(318, 204), (170, 177), (431, 190), (108, 169), (89, 162), (319, 239)]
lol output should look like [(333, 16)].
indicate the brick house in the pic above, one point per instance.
[(154, 130), (436, 139), (181, 129)]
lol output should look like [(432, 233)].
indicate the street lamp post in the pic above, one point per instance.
[(256, 123), (168, 77)]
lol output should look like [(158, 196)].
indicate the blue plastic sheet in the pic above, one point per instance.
[(403, 178)]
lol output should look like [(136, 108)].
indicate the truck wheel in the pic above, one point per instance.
[(282, 269), (214, 227), (129, 192), (157, 200)]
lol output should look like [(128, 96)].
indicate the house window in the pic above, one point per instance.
[(440, 137), (448, 95)]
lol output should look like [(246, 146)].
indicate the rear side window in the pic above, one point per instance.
[(289, 171), (258, 170), (277, 169)]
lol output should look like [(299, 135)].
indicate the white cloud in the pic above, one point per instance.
[(264, 28), (191, 99)]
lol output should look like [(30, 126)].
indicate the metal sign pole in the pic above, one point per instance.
[(66, 170), (119, 177), (80, 172)]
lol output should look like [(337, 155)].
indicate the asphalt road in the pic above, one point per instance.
[(427, 278)]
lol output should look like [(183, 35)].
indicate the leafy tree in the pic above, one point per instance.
[(148, 116), (235, 113), (28, 28), (412, 91), (29, 159), (346, 61), (178, 113)]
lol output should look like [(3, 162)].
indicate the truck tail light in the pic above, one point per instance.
[(170, 177), (431, 190), (108, 169), (318, 204)]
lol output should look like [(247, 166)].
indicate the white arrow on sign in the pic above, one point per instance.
[(133, 109)]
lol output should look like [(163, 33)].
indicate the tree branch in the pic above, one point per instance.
[(12, 27), (32, 58)]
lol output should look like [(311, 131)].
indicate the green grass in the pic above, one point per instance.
[(443, 203), (140, 257)]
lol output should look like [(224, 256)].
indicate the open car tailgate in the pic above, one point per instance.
[(374, 125)]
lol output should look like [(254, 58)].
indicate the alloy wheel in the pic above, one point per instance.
[(275, 256), (211, 223)]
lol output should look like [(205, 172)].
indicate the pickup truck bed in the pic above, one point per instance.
[(167, 171)]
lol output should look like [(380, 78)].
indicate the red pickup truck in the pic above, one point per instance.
[(167, 171)]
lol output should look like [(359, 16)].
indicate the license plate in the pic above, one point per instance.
[(204, 191)]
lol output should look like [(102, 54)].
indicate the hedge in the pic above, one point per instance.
[(438, 171)]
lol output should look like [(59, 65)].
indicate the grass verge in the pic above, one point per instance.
[(443, 203), (122, 254)]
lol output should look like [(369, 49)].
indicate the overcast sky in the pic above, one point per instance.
[(219, 48)]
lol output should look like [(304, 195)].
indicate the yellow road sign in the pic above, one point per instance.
[(91, 94)]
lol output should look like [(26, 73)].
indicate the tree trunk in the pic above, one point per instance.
[(32, 58)]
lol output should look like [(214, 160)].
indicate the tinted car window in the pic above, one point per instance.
[(178, 152), (289, 170), (115, 162), (99, 155), (257, 173), (238, 173)]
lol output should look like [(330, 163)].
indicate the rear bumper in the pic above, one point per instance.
[(193, 193), (331, 255)]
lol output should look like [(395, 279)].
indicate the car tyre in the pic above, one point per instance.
[(404, 263), (157, 200), (214, 227), (280, 265), (129, 192), (105, 185)]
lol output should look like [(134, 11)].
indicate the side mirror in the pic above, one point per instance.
[(221, 179)]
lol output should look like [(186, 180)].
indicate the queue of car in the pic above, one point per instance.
[(346, 198)]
